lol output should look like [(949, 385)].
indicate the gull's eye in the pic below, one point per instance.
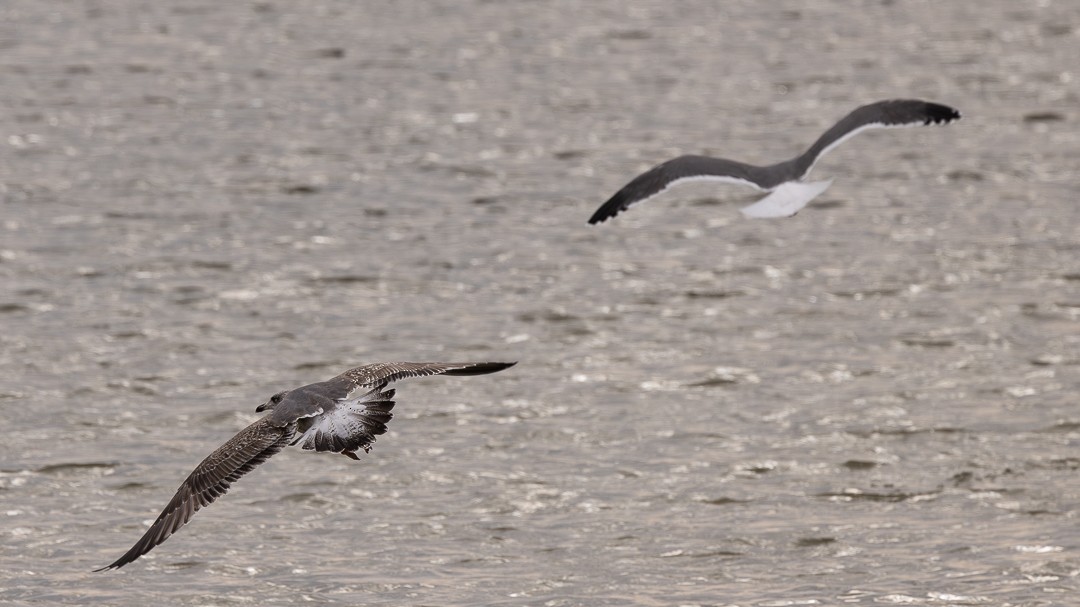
[(277, 397)]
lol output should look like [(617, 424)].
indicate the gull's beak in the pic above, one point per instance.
[(271, 403)]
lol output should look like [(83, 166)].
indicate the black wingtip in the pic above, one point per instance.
[(643, 187), (616, 204), (116, 565), (937, 113), (481, 368), (129, 557), (601, 215)]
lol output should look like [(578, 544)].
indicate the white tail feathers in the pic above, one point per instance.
[(787, 199)]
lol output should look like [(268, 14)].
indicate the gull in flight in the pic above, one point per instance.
[(341, 415), (787, 192)]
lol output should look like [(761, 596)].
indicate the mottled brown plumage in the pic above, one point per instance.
[(341, 415)]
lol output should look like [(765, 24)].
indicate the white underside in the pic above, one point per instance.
[(852, 133), (715, 179), (341, 420), (712, 178), (786, 200)]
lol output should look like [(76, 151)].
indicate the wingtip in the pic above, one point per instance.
[(493, 367), (110, 567), (938, 113), (600, 217), (120, 562), (611, 207), (464, 369)]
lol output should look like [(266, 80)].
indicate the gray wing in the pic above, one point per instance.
[(664, 175), (380, 374), (210, 480), (882, 114)]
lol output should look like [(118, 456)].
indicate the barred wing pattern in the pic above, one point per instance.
[(380, 374), (342, 415), (210, 480)]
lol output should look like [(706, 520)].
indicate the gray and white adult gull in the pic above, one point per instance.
[(783, 180), (341, 415)]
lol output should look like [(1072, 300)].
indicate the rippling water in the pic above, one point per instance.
[(871, 403)]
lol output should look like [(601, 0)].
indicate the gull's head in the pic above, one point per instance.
[(270, 404)]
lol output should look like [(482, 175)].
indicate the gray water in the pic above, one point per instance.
[(204, 203)]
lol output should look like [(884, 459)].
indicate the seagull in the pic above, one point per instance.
[(341, 415), (787, 192)]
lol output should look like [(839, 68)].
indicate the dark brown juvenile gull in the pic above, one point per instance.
[(787, 192), (342, 415)]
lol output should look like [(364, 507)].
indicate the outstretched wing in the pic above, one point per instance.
[(380, 374), (664, 175), (211, 479), (890, 113)]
